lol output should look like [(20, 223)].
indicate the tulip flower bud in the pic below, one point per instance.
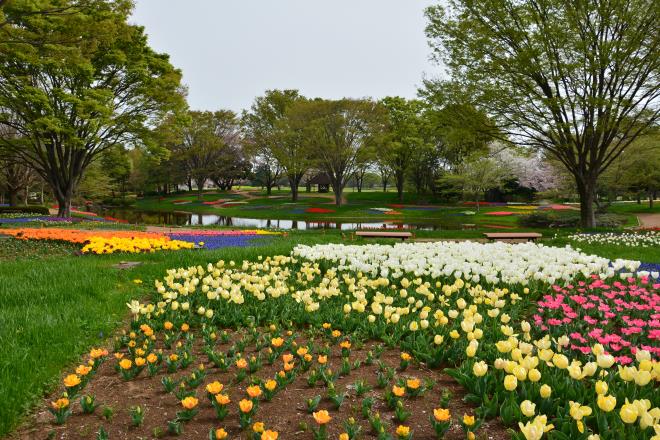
[(545, 391)]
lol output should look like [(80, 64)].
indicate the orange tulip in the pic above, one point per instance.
[(245, 405), (189, 402), (254, 391), (441, 414), (322, 417), (222, 399)]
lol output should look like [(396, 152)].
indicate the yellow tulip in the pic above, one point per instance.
[(510, 382), (545, 391), (628, 412), (601, 387), (480, 368), (534, 375), (560, 361), (527, 408), (606, 403)]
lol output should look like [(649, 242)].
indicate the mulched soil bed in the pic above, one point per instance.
[(285, 413)]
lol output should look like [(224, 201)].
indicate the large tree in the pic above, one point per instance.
[(477, 175), (199, 143), (293, 142), (343, 131), (404, 138), (275, 130), (579, 79), (93, 84), (233, 163)]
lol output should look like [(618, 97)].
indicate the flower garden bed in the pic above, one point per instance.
[(632, 239), (319, 211), (316, 323), (109, 242), (288, 412)]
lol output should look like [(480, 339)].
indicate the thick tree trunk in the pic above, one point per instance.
[(13, 197), (399, 178), (294, 182), (587, 191), (651, 197), (64, 203), (200, 187), (338, 189)]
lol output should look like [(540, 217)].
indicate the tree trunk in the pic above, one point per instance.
[(189, 184), (337, 188), (269, 189), (13, 197), (651, 197), (399, 185), (200, 187), (64, 203), (639, 198), (587, 191), (294, 183)]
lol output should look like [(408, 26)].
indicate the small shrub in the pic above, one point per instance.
[(550, 219), (42, 210), (570, 219), (610, 220)]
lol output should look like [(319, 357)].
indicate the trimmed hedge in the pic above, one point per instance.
[(568, 219), (24, 210)]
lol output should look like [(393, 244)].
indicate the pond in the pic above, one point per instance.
[(179, 218)]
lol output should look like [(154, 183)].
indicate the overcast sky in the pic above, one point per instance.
[(231, 51)]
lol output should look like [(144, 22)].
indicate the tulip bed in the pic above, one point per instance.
[(337, 341), (635, 239), (109, 242)]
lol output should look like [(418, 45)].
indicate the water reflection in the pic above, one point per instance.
[(179, 218)]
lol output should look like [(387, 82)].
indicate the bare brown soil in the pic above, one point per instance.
[(285, 413)]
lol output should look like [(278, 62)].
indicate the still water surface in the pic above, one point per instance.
[(178, 218)]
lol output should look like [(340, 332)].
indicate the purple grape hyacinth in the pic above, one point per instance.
[(218, 241)]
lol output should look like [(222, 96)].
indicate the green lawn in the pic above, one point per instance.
[(634, 208), (356, 209)]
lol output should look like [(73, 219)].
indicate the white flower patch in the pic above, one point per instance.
[(634, 239), (492, 262)]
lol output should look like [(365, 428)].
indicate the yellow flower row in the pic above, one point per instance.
[(104, 245)]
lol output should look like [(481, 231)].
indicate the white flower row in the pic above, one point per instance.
[(492, 262), (636, 239)]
